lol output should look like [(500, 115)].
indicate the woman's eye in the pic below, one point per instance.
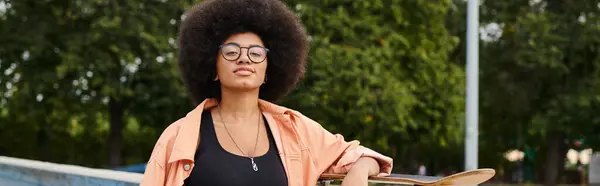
[(231, 53)]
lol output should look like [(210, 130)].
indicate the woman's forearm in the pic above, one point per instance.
[(361, 170), (367, 164)]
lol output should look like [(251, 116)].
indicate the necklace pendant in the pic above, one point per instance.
[(254, 166)]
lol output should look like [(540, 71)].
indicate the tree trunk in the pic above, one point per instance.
[(408, 160), (43, 143), (116, 127), (393, 155), (555, 158)]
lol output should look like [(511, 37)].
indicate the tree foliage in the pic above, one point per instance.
[(539, 78), (79, 72), (379, 72), (91, 82)]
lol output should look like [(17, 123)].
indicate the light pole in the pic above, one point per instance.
[(472, 129)]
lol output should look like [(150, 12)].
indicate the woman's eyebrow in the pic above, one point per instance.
[(231, 43), (251, 45), (255, 45)]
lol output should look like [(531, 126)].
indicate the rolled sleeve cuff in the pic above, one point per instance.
[(345, 163)]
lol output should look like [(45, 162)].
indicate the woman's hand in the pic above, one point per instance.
[(360, 172)]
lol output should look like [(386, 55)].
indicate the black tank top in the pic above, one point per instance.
[(213, 165)]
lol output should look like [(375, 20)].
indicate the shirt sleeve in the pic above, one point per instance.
[(157, 168), (154, 174), (333, 154)]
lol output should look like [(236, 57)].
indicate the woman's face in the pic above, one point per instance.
[(241, 62)]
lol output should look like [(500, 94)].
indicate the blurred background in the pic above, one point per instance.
[(94, 82)]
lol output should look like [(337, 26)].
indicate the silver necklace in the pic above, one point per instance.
[(254, 166)]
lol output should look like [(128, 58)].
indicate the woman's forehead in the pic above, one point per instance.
[(245, 39)]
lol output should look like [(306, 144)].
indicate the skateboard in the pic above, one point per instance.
[(471, 177)]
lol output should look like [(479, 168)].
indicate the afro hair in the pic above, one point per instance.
[(209, 23)]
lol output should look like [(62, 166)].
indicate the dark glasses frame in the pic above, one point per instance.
[(240, 54)]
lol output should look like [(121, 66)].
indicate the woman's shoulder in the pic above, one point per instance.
[(291, 114), (166, 141), (280, 109), (168, 135), (300, 119), (171, 131)]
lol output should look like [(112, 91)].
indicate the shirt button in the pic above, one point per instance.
[(186, 167)]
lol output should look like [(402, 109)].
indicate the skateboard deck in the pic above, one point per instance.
[(471, 177)]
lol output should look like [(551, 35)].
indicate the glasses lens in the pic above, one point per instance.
[(257, 54), (230, 52)]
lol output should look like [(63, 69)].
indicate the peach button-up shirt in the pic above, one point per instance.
[(306, 149)]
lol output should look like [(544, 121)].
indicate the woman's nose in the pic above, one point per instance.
[(243, 57)]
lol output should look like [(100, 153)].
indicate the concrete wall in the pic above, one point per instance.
[(21, 172)]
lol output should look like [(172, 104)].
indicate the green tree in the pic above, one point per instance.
[(79, 72), (379, 72), (539, 78)]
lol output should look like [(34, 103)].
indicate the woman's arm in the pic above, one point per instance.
[(334, 155), (366, 165), (360, 172), (154, 175)]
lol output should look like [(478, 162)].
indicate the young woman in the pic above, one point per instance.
[(238, 57)]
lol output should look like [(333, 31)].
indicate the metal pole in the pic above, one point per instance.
[(471, 141)]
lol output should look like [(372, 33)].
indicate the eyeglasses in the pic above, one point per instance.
[(233, 51)]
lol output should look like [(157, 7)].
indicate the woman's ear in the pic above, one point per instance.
[(216, 74)]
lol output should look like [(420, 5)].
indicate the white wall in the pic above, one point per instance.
[(22, 172)]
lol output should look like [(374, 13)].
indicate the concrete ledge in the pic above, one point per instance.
[(22, 172)]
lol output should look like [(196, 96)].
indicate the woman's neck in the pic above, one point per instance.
[(239, 105)]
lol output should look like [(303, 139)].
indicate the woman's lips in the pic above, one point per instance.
[(243, 71)]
